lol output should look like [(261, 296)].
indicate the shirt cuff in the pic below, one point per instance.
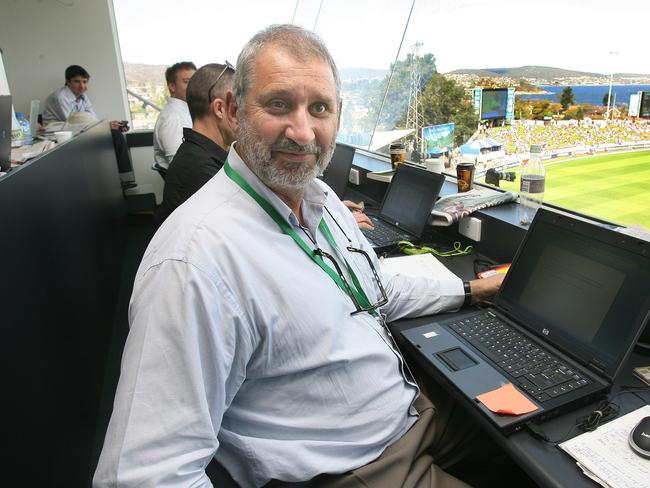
[(455, 290)]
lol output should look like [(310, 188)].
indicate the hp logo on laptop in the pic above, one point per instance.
[(545, 331)]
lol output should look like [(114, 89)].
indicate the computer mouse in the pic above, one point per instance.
[(640, 438)]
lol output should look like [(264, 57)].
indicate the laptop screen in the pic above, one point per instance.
[(581, 286), (410, 197), (338, 171)]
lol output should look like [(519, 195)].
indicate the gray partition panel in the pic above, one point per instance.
[(62, 236)]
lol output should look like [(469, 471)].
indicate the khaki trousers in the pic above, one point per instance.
[(409, 462)]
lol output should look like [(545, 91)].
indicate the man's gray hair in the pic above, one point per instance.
[(198, 98), (302, 44)]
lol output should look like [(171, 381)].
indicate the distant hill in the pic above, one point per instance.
[(138, 74), (544, 72), (353, 74)]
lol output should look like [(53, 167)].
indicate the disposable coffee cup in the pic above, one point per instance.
[(435, 165), (63, 135), (465, 176), (397, 154)]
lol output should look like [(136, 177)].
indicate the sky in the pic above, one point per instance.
[(585, 35)]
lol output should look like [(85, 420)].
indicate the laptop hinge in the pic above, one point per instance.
[(599, 369)]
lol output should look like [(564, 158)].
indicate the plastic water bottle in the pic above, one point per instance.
[(531, 190), (16, 130), (25, 129)]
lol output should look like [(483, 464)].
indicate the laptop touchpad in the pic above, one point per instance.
[(456, 359)]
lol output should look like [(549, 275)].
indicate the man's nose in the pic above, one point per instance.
[(300, 127)]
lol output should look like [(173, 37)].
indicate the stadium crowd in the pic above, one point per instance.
[(518, 137)]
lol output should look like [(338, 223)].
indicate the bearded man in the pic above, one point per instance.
[(257, 317)]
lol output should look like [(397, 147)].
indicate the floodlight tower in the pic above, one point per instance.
[(414, 117), (609, 93)]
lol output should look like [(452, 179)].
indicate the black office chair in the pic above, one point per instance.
[(161, 171)]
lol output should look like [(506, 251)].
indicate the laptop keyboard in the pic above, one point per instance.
[(382, 235), (542, 375)]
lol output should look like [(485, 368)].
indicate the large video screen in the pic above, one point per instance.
[(493, 103), (644, 110)]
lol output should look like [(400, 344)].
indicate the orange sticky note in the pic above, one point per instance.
[(507, 400)]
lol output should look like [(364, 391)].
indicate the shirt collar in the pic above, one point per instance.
[(214, 150), (312, 204), (71, 96), (176, 101)]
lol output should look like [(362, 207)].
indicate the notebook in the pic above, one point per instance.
[(338, 171), (565, 320), (405, 209)]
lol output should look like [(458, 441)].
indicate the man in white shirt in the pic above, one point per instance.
[(168, 132), (256, 334)]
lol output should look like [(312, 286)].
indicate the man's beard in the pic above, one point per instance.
[(275, 173)]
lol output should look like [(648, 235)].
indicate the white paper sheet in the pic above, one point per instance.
[(417, 265), (606, 456)]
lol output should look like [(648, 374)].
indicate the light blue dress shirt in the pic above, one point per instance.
[(242, 348), (61, 103)]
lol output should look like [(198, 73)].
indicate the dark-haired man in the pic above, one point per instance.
[(257, 317), (168, 131), (69, 98), (205, 145)]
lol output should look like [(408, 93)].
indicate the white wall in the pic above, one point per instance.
[(40, 38)]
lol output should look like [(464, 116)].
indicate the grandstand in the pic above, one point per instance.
[(560, 136), (564, 138)]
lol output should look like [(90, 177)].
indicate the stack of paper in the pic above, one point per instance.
[(606, 457), (417, 265)]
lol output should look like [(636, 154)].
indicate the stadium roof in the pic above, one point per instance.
[(385, 137), (475, 146)]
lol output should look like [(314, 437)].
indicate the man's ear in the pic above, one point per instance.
[(218, 107), (172, 88), (232, 110)]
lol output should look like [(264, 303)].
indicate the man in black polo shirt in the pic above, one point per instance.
[(205, 145)]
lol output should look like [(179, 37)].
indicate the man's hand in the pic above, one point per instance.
[(354, 207), (363, 221), (122, 126), (486, 288)]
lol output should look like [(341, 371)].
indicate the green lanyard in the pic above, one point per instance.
[(355, 289)]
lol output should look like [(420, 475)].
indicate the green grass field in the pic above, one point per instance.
[(615, 186)]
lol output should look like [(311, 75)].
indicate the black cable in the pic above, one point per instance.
[(481, 265), (605, 411)]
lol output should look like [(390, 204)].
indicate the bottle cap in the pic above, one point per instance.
[(536, 148)]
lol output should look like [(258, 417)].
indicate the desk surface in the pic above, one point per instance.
[(546, 464)]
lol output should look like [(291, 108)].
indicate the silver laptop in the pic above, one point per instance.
[(565, 320)]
